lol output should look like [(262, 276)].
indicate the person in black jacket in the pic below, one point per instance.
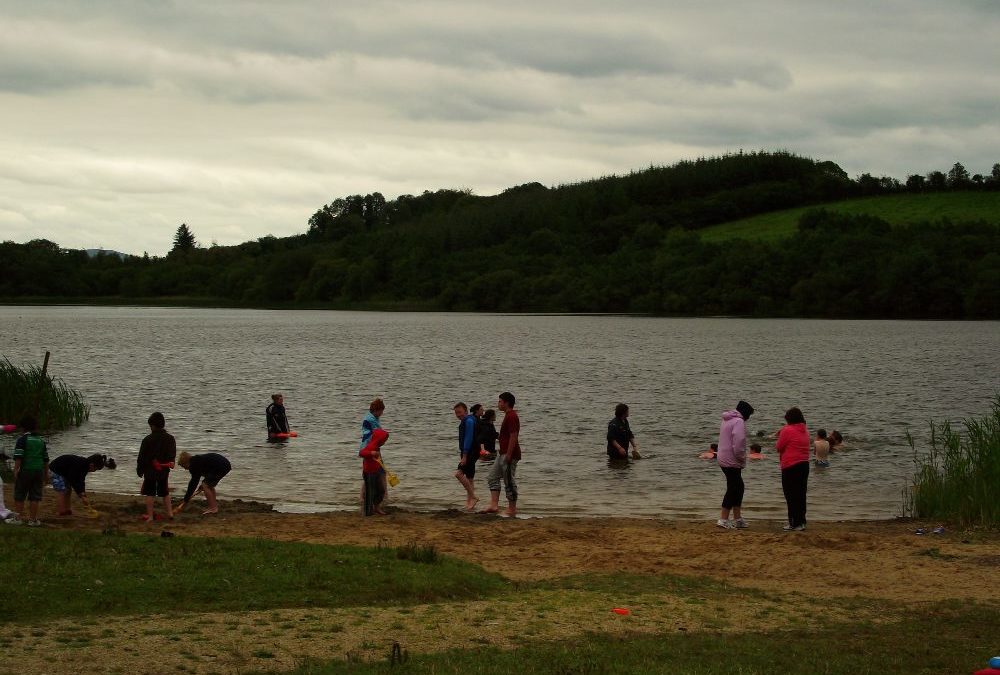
[(277, 422), (68, 474), (209, 468), (156, 459)]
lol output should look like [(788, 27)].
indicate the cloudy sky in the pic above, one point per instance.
[(121, 119)]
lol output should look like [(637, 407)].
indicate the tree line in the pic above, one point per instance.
[(624, 243)]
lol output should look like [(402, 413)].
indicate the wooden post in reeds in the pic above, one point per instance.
[(41, 386)]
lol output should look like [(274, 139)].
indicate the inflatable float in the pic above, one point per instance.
[(8, 428), (290, 434)]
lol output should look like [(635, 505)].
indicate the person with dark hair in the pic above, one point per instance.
[(711, 453), (468, 454), (620, 435), (486, 435), (371, 422), (505, 467), (69, 475), (821, 447), (277, 422), (836, 441), (156, 457), (755, 452), (793, 454), (371, 466), (31, 472), (732, 461), (208, 468)]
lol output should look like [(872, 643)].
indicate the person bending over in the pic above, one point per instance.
[(208, 468), (69, 475)]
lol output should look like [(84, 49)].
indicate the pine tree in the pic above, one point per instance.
[(183, 240)]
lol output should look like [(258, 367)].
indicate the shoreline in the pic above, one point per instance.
[(881, 559)]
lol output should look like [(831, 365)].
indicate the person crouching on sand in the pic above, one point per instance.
[(208, 468), (371, 471), (68, 474)]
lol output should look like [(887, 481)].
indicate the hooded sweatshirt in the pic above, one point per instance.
[(793, 445), (378, 439), (733, 440)]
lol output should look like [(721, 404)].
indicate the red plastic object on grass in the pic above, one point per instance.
[(621, 610)]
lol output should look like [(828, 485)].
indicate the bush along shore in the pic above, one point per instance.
[(30, 390), (958, 479)]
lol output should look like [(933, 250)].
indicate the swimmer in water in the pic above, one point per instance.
[(755, 452), (711, 452), (821, 447), (836, 441)]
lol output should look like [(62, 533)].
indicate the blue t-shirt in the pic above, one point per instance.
[(467, 434), (369, 424)]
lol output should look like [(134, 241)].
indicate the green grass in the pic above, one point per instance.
[(958, 478), (59, 406), (945, 638), (896, 210), (49, 574)]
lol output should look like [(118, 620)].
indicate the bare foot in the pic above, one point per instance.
[(380, 512), (208, 512), (489, 510), (470, 505), (510, 513)]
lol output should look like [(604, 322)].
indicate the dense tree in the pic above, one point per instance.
[(958, 177), (184, 241)]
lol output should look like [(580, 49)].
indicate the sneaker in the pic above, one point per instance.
[(799, 528), (741, 524), (14, 520), (725, 524), (33, 523), (788, 527)]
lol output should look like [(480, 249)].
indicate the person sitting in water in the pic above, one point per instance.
[(836, 441), (711, 453), (821, 447), (208, 468), (68, 474), (755, 452), (277, 422)]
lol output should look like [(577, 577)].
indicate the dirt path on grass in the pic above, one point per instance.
[(881, 560)]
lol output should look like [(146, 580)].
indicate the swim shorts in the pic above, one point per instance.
[(469, 468), (154, 486), (212, 479), (28, 485), (58, 482)]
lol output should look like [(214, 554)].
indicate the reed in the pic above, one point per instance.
[(21, 389), (958, 478)]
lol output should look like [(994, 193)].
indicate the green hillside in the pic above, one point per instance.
[(902, 209)]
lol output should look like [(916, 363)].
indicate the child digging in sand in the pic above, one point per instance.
[(209, 468)]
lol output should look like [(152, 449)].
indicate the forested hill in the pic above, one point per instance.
[(616, 244)]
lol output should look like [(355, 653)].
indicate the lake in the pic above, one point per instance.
[(212, 371)]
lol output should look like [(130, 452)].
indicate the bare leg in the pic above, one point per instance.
[(737, 512), (213, 506), (33, 509), (384, 483), (470, 492), (724, 514), (511, 509), (19, 507), (168, 507), (149, 508), (494, 502)]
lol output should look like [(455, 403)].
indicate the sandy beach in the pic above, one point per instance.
[(848, 572)]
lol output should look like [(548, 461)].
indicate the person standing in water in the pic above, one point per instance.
[(468, 454), (277, 422), (505, 467), (620, 435), (732, 460), (208, 468)]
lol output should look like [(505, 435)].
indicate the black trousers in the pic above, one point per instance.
[(794, 480), (734, 487)]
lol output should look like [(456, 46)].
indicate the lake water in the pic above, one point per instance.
[(211, 372)]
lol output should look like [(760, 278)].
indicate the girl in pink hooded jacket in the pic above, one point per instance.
[(732, 459)]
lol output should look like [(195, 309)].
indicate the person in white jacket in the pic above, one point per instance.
[(732, 459)]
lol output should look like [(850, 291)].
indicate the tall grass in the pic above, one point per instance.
[(59, 406), (959, 478)]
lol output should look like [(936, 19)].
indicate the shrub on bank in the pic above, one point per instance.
[(959, 478), (23, 390)]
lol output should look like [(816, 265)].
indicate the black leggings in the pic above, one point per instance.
[(794, 480), (734, 487)]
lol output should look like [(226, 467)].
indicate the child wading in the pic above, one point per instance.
[(371, 471)]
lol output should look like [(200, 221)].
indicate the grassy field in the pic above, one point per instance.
[(894, 209), (58, 574)]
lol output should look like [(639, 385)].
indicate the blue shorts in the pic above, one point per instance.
[(58, 482)]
